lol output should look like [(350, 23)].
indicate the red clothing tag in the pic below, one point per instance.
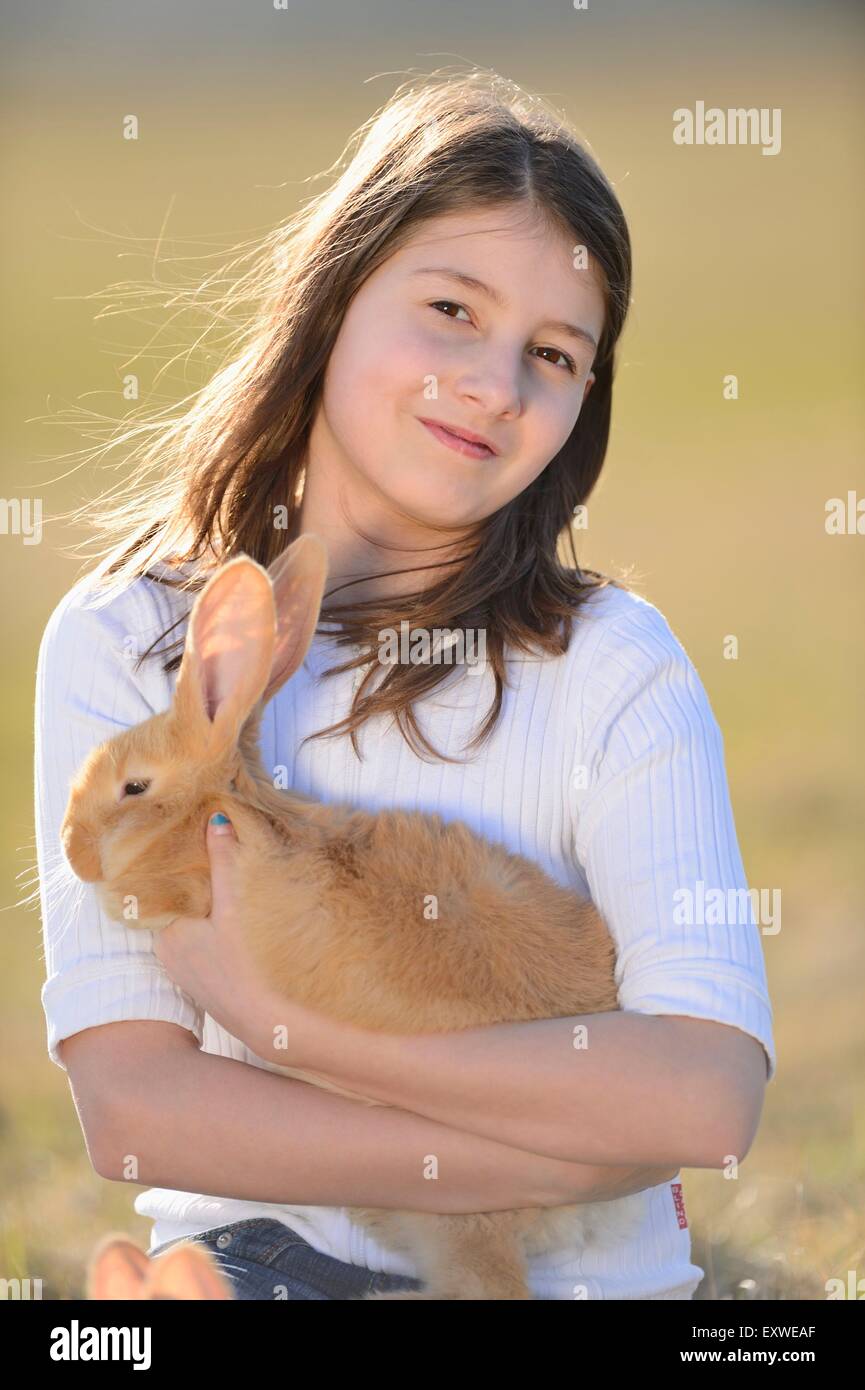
[(679, 1203)]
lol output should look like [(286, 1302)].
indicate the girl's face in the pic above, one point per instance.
[(495, 358)]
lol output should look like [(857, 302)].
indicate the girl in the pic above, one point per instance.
[(428, 388)]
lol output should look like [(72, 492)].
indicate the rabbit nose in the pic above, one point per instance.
[(82, 851)]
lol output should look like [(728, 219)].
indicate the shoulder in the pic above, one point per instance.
[(617, 628), (93, 638), (613, 617), (91, 612), (628, 661)]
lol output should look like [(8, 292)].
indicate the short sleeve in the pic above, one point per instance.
[(654, 835), (88, 689)]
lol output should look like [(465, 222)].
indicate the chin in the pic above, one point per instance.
[(447, 506), (149, 900)]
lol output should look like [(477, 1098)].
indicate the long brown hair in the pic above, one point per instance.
[(228, 471)]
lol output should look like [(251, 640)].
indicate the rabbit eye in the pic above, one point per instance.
[(135, 788)]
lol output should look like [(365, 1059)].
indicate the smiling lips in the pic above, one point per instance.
[(471, 448)]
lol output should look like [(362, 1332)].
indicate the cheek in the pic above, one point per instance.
[(559, 416), (374, 371), (546, 428), (550, 419)]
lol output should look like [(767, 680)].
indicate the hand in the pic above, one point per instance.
[(207, 957)]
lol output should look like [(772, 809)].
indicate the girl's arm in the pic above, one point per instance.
[(658, 1091), (201, 1123)]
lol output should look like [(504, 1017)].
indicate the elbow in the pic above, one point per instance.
[(101, 1132), (746, 1106), (734, 1128), (114, 1152), (747, 1116), (98, 1132), (727, 1094), (104, 1153)]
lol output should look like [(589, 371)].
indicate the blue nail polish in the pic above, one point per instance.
[(218, 819)]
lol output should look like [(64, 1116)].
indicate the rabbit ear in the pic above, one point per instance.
[(228, 653), (298, 577), (187, 1271), (117, 1269)]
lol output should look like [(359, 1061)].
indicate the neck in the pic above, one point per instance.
[(343, 508)]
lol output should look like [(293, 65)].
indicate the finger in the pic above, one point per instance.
[(221, 843), (168, 930)]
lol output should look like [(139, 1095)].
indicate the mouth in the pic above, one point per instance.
[(470, 448)]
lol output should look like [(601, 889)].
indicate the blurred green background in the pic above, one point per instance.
[(744, 264)]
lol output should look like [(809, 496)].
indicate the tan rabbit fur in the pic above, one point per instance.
[(335, 898)]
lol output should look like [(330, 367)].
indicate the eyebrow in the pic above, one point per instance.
[(472, 283)]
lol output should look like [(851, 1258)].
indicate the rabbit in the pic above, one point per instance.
[(117, 1269), (334, 897)]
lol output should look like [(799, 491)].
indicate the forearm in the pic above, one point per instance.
[(202, 1123), (646, 1090)]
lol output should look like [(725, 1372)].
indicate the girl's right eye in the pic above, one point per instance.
[(135, 788)]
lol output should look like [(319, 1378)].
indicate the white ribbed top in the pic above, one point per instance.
[(606, 767)]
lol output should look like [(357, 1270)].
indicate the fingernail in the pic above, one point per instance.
[(219, 820)]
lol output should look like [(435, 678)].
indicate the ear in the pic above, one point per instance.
[(117, 1269), (298, 577), (187, 1271), (228, 653)]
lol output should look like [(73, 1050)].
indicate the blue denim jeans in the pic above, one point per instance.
[(265, 1259)]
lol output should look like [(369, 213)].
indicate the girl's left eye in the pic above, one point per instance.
[(451, 305), (570, 364)]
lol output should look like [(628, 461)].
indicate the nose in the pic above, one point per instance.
[(81, 847), (492, 387)]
